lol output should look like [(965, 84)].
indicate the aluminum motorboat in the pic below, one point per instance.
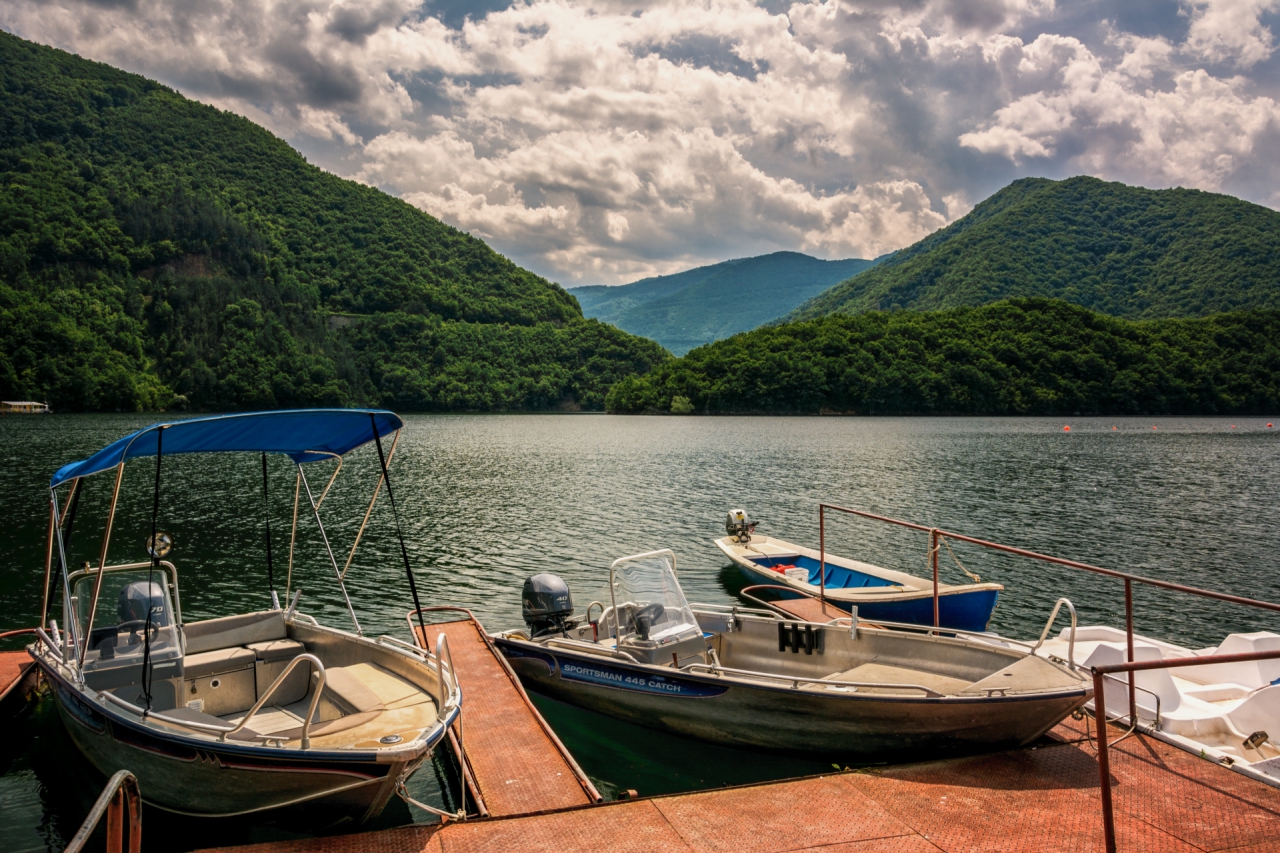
[(878, 593), (247, 712), (750, 678)]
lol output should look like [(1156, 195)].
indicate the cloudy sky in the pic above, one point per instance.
[(600, 142)]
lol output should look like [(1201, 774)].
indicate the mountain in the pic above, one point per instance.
[(159, 253), (694, 307), (1014, 357), (1121, 250)]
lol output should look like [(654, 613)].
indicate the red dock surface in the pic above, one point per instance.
[(1040, 799), (15, 669), (516, 760)]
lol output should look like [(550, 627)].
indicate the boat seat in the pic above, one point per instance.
[(242, 629), (1025, 674), (886, 674), (346, 690), (273, 658), (191, 715), (217, 662)]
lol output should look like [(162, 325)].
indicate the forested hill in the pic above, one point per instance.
[(1014, 357), (156, 252), (697, 306), (1121, 250)]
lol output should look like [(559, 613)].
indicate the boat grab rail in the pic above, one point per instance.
[(734, 609), (1071, 646), (385, 639), (450, 697), (53, 648), (121, 791), (1119, 680), (310, 620), (311, 709), (156, 715), (795, 680), (590, 648)]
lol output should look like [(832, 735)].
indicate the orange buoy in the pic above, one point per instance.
[(1113, 429), (1155, 427), (1233, 426), (1066, 429), (1268, 424)]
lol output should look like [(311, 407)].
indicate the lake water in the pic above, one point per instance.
[(489, 500)]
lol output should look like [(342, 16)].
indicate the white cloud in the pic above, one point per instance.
[(604, 141)]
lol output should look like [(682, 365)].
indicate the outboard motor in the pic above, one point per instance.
[(738, 526), (135, 600), (546, 605)]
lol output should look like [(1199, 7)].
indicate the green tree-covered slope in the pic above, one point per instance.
[(155, 252), (1121, 250), (1014, 357), (697, 306)]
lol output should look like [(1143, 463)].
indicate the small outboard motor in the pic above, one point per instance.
[(546, 605), (738, 526), (135, 600)]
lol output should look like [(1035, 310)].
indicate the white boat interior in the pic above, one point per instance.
[(267, 670), (1226, 711)]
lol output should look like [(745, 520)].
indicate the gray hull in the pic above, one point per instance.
[(862, 728), (226, 779)]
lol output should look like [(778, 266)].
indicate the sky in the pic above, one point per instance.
[(603, 142)]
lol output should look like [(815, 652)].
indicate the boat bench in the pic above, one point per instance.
[(230, 662)]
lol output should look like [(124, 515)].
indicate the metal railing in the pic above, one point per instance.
[(121, 792), (797, 680), (936, 535), (311, 709), (1100, 674)]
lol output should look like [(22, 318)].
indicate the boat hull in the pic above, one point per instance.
[(860, 728), (210, 779)]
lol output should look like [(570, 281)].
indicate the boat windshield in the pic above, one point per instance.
[(121, 619), (650, 606)]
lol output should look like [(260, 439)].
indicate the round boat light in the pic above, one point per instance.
[(390, 739)]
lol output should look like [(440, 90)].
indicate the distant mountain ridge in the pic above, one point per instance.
[(687, 309), (160, 253), (1122, 250)]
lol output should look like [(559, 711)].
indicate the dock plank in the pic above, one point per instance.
[(16, 670), (518, 767), (809, 609)]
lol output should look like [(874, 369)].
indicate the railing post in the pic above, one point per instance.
[(1104, 762), (1128, 630), (822, 554), (933, 562), (115, 823)]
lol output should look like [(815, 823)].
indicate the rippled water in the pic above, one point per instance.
[(488, 500)]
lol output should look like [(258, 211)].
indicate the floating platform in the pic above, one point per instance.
[(17, 677), (1045, 798), (513, 757)]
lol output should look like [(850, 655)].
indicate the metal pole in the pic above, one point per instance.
[(391, 454), (102, 559), (71, 627), (48, 565), (316, 511), (933, 561), (293, 535), (822, 554), (1104, 763), (1128, 629), (115, 823)]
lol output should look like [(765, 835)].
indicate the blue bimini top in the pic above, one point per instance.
[(304, 435)]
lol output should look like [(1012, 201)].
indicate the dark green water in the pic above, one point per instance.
[(489, 500)]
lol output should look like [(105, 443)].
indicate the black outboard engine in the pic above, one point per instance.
[(546, 606), (738, 526), (135, 600)]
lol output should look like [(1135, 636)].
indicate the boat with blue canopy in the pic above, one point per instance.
[(251, 711), (879, 594)]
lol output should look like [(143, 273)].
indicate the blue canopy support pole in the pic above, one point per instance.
[(315, 509), (68, 617), (154, 548), (293, 535), (102, 564), (395, 442)]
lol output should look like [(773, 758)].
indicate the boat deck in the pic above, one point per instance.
[(809, 609), (516, 760), (1040, 799)]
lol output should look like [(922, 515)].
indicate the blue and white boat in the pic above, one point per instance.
[(880, 594)]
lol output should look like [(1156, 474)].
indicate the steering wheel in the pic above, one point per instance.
[(134, 624), (646, 616)]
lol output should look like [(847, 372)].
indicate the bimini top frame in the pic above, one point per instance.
[(304, 435)]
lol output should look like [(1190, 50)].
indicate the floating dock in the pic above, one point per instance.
[(515, 762), (1044, 798), (17, 677)]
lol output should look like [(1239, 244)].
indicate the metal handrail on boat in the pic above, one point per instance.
[(386, 639), (121, 791), (590, 648), (156, 715), (53, 648), (1071, 646), (311, 709), (443, 651), (796, 679)]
